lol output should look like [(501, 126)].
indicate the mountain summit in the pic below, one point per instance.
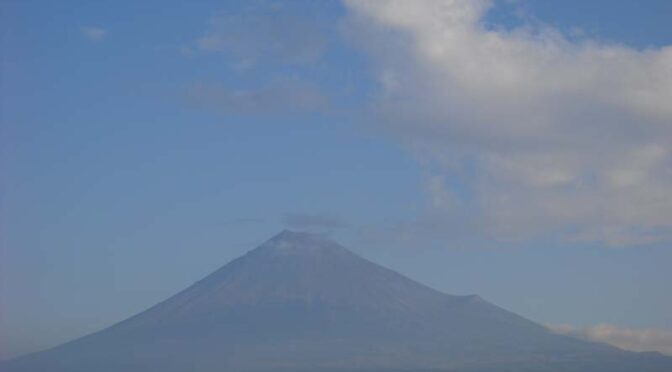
[(302, 303)]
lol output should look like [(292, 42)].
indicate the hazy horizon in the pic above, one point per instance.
[(519, 150)]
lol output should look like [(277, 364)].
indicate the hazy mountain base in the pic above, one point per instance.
[(300, 303), (635, 364)]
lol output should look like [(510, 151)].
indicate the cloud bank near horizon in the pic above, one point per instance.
[(547, 135), (632, 339)]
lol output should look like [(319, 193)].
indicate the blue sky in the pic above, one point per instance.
[(518, 149)]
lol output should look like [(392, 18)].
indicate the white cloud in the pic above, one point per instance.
[(632, 339), (551, 135), (94, 33)]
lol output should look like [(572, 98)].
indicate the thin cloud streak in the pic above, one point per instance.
[(279, 97), (94, 33)]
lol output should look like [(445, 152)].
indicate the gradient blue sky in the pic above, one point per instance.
[(144, 144)]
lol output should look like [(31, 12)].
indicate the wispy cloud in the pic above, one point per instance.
[(633, 339), (314, 221), (546, 133), (279, 97), (264, 31), (94, 33), (243, 221)]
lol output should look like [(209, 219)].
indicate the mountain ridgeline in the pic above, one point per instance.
[(302, 303)]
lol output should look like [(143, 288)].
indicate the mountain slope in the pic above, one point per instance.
[(301, 302)]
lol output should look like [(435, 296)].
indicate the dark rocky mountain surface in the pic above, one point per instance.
[(302, 303)]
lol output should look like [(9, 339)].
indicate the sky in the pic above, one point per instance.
[(517, 149)]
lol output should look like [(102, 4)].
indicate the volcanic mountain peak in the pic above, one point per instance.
[(293, 242), (301, 239), (311, 267), (301, 302)]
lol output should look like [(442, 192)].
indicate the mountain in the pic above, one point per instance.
[(302, 303)]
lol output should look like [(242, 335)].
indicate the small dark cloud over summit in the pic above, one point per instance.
[(325, 221)]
